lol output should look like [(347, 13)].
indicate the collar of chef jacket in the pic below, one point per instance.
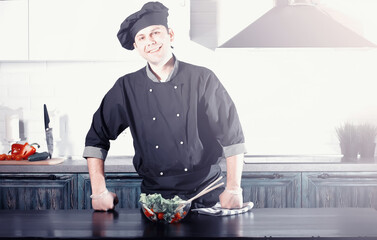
[(152, 77)]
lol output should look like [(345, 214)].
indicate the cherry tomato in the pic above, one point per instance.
[(2, 157), (174, 220), (8, 157), (178, 215), (160, 215), (17, 158)]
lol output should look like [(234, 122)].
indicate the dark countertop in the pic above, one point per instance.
[(131, 224), (252, 164)]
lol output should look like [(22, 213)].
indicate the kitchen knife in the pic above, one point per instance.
[(49, 140), (48, 130), (39, 156)]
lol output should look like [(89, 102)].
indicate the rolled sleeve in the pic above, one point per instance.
[(95, 152), (234, 149), (223, 117), (108, 122)]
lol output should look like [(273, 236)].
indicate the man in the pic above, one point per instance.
[(182, 120)]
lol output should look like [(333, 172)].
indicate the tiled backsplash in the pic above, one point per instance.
[(72, 90), (289, 100)]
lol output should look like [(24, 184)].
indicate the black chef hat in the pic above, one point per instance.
[(152, 13)]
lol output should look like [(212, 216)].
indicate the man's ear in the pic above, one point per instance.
[(171, 34), (135, 45)]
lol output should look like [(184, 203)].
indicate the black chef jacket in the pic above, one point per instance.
[(181, 129)]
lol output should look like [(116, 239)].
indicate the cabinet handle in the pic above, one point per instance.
[(324, 176), (327, 176), (123, 177), (272, 176), (29, 177)]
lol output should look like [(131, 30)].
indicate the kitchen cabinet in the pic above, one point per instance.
[(38, 191), (272, 190), (125, 185), (339, 189), (87, 29), (14, 30), (70, 30), (265, 189)]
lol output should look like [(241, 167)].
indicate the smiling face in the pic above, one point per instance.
[(154, 44)]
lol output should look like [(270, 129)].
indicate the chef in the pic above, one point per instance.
[(182, 120)]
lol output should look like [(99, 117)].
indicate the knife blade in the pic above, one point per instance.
[(48, 130)]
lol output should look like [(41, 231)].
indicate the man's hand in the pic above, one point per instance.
[(231, 198), (106, 202), (232, 195), (102, 200)]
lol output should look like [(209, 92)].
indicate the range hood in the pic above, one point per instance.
[(296, 24)]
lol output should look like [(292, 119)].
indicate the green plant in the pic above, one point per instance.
[(367, 136), (367, 133), (348, 139), (357, 139), (347, 133)]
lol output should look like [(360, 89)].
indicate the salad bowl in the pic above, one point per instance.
[(158, 209)]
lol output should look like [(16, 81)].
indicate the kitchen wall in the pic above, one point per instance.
[(71, 89), (289, 100)]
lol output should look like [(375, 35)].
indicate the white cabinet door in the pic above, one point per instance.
[(85, 29), (13, 30)]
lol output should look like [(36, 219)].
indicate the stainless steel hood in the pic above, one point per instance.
[(296, 24)]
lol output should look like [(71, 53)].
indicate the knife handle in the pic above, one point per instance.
[(39, 156)]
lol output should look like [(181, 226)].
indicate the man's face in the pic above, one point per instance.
[(154, 43)]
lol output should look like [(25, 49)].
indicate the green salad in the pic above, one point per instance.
[(163, 208)]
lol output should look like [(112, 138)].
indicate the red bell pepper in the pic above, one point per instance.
[(20, 151), (17, 148)]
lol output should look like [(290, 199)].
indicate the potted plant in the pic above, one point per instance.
[(348, 139), (367, 136)]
